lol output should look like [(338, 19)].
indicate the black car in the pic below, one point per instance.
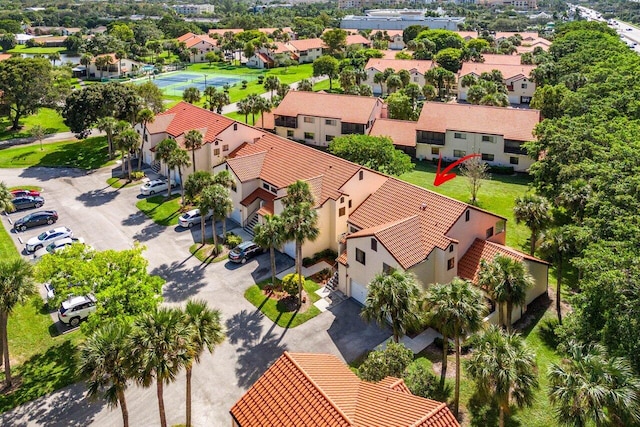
[(27, 202), (35, 219), (244, 251)]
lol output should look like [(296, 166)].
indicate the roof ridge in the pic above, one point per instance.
[(513, 251), (430, 414), (303, 372)]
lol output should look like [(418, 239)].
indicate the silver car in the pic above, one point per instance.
[(47, 237), (193, 217), (56, 246)]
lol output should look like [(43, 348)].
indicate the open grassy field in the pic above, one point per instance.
[(90, 153), (48, 118), (161, 210), (36, 50), (276, 311)]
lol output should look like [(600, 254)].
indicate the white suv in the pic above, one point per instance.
[(76, 308), (47, 237)]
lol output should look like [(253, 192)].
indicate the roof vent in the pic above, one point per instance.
[(423, 206)]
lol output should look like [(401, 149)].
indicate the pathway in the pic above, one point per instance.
[(54, 137)]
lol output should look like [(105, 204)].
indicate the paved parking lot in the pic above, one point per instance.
[(107, 218)]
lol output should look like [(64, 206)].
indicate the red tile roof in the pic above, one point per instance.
[(512, 123), (469, 264), (246, 167), (306, 44), (501, 59), (342, 259), (221, 31), (401, 132), (319, 390), (381, 64), (4, 56), (508, 71), (357, 39), (347, 108), (264, 195)]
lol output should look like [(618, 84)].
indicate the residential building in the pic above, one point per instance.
[(496, 59), (416, 68), (268, 31), (316, 118), (270, 56), (321, 390), (455, 130), (520, 87), (401, 132), (117, 67), (357, 40), (307, 50), (203, 44), (399, 19), (394, 37), (193, 9)]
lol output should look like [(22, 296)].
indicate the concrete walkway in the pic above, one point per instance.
[(54, 137), (417, 344), (306, 271)]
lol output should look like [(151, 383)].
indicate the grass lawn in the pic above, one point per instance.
[(161, 210), (496, 195), (274, 310), (203, 252), (26, 187), (36, 50), (48, 118), (90, 153), (324, 85), (121, 183)]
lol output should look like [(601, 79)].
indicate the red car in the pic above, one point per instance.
[(20, 193)]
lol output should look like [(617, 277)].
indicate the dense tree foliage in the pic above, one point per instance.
[(375, 152)]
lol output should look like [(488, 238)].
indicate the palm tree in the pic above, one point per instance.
[(86, 60), (535, 212), (160, 347), (222, 205), (206, 332), (503, 367), (209, 91), (120, 55), (119, 128), (379, 79), (300, 222), (220, 99), (16, 284), (507, 282), (393, 298), (193, 142), (270, 235), (555, 247), (128, 141), (179, 159), (191, 95), (271, 83), (107, 125), (103, 62), (393, 83), (164, 152), (457, 309), (305, 85), (6, 199), (261, 107), (53, 57), (244, 108), (145, 116), (590, 386), (252, 101), (225, 179), (105, 362)]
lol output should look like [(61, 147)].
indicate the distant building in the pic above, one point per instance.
[(381, 19), (193, 9)]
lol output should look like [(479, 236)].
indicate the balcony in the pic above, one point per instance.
[(514, 147), (350, 128), (433, 138), (286, 121)]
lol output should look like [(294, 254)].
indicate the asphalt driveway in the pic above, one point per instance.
[(107, 218)]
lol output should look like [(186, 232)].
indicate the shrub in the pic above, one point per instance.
[(260, 79), (307, 262), (422, 382), (244, 84), (290, 284), (391, 361), (502, 170), (232, 240), (137, 175)]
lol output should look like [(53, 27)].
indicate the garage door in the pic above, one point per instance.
[(358, 292)]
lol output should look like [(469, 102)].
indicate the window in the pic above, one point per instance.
[(361, 257), (459, 153), (514, 160), (451, 262), (514, 147), (225, 147), (374, 245), (488, 138), (450, 248), (235, 126), (349, 204), (458, 135), (489, 232), (415, 79), (265, 186), (341, 211), (467, 214), (426, 137), (435, 151), (329, 138), (487, 157), (524, 85), (500, 226), (341, 199), (309, 120), (289, 133), (216, 151), (274, 189), (330, 122), (309, 135), (387, 269), (361, 175)]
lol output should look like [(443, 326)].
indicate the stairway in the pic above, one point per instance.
[(155, 166), (333, 282), (252, 222)]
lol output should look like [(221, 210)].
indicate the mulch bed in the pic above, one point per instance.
[(287, 302)]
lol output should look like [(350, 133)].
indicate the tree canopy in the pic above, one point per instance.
[(375, 152)]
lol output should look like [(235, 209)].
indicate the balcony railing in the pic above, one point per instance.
[(286, 121)]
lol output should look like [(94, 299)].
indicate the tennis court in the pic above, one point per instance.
[(176, 82)]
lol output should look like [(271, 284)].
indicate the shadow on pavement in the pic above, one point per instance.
[(98, 197), (135, 218), (182, 282), (149, 232), (46, 173)]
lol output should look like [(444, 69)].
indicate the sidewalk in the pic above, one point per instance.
[(54, 137)]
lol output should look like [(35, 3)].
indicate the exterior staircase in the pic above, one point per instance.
[(155, 166), (251, 222), (332, 284)]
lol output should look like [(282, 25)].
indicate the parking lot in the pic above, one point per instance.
[(108, 218)]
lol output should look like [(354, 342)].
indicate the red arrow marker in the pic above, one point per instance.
[(444, 176)]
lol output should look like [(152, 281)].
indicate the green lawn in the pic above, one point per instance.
[(48, 118), (324, 85), (161, 210), (274, 310), (496, 195), (121, 183), (36, 50), (203, 252), (90, 153)]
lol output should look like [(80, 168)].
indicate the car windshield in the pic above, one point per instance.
[(51, 248), (42, 236)]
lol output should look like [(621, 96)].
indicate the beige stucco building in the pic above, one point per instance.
[(415, 67), (520, 87)]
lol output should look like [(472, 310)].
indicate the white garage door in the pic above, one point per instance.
[(358, 292)]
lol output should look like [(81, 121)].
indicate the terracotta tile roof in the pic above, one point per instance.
[(401, 132), (468, 34), (264, 58), (501, 59), (512, 123), (391, 54), (306, 44), (508, 71), (469, 264), (347, 108), (221, 31), (272, 160), (506, 34), (4, 56), (267, 197), (269, 31), (184, 117), (411, 65), (357, 39), (396, 384), (390, 33), (269, 121), (319, 390), (198, 39), (342, 259), (280, 48), (186, 37)]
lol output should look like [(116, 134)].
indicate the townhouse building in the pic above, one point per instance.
[(202, 43), (116, 68), (520, 87), (416, 68), (307, 50)]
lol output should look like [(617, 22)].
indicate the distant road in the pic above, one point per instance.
[(629, 33)]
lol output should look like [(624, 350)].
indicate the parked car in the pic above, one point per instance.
[(155, 186), (21, 193), (35, 219), (244, 251), (49, 291), (76, 308), (47, 237), (56, 246), (193, 217), (27, 202)]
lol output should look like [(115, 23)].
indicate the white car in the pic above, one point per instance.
[(47, 237), (76, 308), (155, 186), (57, 246), (193, 217)]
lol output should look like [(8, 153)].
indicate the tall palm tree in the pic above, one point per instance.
[(145, 116), (160, 347), (208, 93), (120, 55), (206, 202), (393, 297), (105, 362), (164, 152), (206, 332), (179, 158), (222, 205), (379, 79), (305, 85), (128, 141), (120, 127), (103, 62), (271, 83), (262, 106), (220, 99), (270, 235), (300, 222), (590, 386), (6, 199), (244, 108), (556, 247), (507, 281), (393, 83), (503, 367), (252, 101), (193, 142), (535, 212), (108, 125), (16, 284), (53, 57), (225, 179), (457, 309)]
